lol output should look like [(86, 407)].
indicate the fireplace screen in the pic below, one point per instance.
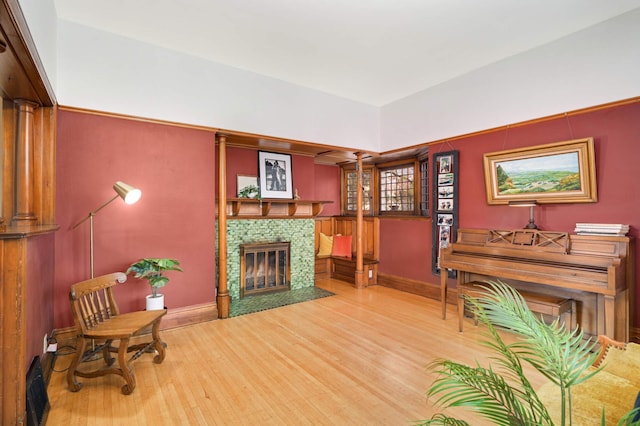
[(264, 267)]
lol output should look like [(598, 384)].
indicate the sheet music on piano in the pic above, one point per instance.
[(601, 229)]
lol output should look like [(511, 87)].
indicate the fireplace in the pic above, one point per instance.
[(298, 232), (264, 267)]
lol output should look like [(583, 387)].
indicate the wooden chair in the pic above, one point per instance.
[(98, 323)]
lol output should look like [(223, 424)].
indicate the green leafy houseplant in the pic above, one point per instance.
[(151, 269), (249, 191), (504, 395)]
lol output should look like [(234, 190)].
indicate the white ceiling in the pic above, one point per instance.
[(371, 51)]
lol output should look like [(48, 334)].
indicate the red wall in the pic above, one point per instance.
[(240, 162), (405, 248), (327, 188), (406, 245), (40, 292), (175, 169)]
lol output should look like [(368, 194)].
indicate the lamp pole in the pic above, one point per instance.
[(90, 217), (91, 243), (128, 193)]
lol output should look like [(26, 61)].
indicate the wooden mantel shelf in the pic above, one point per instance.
[(273, 207)]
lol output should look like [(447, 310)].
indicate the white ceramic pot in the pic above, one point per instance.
[(155, 303)]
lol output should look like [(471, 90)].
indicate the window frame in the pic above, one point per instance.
[(385, 167), (423, 166), (375, 191), (344, 193)]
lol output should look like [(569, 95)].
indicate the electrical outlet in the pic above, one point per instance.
[(45, 343), (370, 273)]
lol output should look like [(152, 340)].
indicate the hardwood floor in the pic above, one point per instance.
[(357, 358)]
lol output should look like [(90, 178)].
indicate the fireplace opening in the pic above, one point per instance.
[(264, 267)]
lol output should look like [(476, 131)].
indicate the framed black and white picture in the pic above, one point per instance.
[(275, 175), (445, 219), (445, 206)]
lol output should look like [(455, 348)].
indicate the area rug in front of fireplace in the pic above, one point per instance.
[(251, 304)]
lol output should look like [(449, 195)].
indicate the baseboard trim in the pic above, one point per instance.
[(432, 291), (189, 315), (177, 317), (421, 288)]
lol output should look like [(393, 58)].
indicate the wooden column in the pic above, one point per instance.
[(24, 168), (223, 299), (13, 324), (27, 196), (361, 280)]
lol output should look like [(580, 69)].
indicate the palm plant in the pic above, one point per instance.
[(504, 395)]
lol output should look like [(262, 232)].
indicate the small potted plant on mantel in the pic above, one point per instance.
[(151, 269), (249, 191)]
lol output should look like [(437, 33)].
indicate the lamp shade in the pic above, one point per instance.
[(128, 193), (523, 203)]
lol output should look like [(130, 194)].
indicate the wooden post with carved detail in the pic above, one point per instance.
[(223, 299), (361, 281), (24, 216)]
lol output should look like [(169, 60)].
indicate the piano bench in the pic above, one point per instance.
[(553, 306)]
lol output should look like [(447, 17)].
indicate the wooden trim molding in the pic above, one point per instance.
[(20, 59), (340, 155), (420, 288), (178, 317), (273, 208), (432, 291), (223, 299), (189, 315)]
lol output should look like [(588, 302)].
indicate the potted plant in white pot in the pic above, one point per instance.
[(151, 269)]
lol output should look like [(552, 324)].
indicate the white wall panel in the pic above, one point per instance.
[(41, 19), (102, 71), (106, 72), (595, 66)]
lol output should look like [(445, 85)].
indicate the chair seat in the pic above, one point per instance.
[(124, 325)]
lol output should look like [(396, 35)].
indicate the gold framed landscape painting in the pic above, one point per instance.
[(561, 172)]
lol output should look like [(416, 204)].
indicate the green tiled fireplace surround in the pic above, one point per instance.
[(299, 232)]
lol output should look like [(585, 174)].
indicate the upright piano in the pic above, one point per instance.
[(596, 271)]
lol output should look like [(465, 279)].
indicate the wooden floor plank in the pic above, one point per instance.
[(356, 358)]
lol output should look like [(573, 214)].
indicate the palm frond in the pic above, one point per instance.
[(632, 418), (562, 356), (505, 396), (440, 419), (484, 391)]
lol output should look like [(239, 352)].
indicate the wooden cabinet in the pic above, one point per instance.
[(26, 210)]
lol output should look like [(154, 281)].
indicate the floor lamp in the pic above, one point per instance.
[(128, 193)]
